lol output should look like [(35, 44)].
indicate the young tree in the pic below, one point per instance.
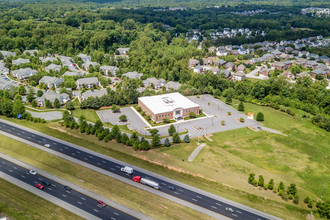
[(292, 189), (34, 103), (222, 122), (260, 116), (114, 109), (166, 120), (261, 181), (241, 107), (192, 115), (186, 138), (171, 130), (124, 139), (153, 132), (18, 107), (280, 186), (69, 106), (21, 90), (123, 118), (242, 120), (40, 93), (57, 103), (167, 142), (176, 138), (229, 99), (307, 199), (155, 140), (48, 104), (228, 113), (98, 124), (251, 178), (271, 184), (115, 130)]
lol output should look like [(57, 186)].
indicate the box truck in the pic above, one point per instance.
[(127, 169)]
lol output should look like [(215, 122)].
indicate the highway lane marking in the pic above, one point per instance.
[(85, 158), (73, 154), (82, 198), (44, 139), (239, 212), (112, 168), (39, 178), (66, 147), (113, 218), (96, 210), (218, 204), (235, 215), (40, 141), (163, 184), (177, 193), (213, 207), (117, 166), (64, 195), (35, 182), (90, 156), (32, 135), (3, 162), (50, 189), (54, 185), (79, 202), (15, 168), (10, 171), (103, 161), (61, 149), (78, 152), (115, 213), (198, 197), (99, 164), (29, 137), (180, 190), (194, 199), (54, 143)]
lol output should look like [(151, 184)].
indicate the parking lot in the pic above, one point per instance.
[(215, 110)]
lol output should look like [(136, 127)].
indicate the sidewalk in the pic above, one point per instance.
[(195, 152)]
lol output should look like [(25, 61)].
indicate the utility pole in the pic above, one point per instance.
[(324, 185)]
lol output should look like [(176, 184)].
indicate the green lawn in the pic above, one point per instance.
[(18, 203), (90, 115)]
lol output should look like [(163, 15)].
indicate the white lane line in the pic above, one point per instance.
[(115, 213), (32, 135), (82, 198), (163, 184), (63, 195), (79, 202), (54, 185), (198, 197), (239, 212), (118, 166), (23, 132), (96, 210), (61, 149), (99, 164), (176, 193), (218, 204), (90, 156), (103, 161), (40, 141), (85, 158), (73, 154), (15, 168), (50, 189), (213, 207), (22, 176), (29, 137), (180, 190), (66, 147), (10, 171), (112, 168), (113, 218), (78, 152), (3, 162), (39, 178), (54, 143), (44, 139), (235, 215), (35, 182), (194, 199)]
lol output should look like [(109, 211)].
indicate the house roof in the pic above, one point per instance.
[(174, 85), (6, 83), (94, 93), (133, 75), (89, 80), (167, 102), (25, 72), (50, 80), (20, 61), (53, 67)]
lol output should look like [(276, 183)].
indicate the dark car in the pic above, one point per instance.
[(46, 183), (171, 187), (67, 188)]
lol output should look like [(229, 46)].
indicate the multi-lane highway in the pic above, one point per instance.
[(56, 189), (181, 192)]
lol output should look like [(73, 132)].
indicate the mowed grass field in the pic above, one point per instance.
[(223, 166), (155, 206), (21, 204)]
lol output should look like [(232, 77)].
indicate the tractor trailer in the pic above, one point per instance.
[(146, 182)]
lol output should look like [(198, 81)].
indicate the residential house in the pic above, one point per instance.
[(20, 61), (44, 60), (72, 74), (279, 65), (318, 72), (268, 56), (288, 64), (220, 62), (24, 73), (51, 96), (93, 93), (221, 53), (51, 81), (87, 82), (207, 61), (87, 64), (234, 52), (193, 63), (214, 70), (325, 59), (3, 69), (76, 94), (285, 56), (238, 76), (6, 83), (85, 58), (53, 67), (288, 75), (133, 75), (311, 64), (198, 69), (157, 83), (303, 74), (172, 85), (225, 73), (241, 67), (109, 70), (264, 71), (230, 66), (300, 61), (123, 50), (6, 54), (140, 89), (212, 49)]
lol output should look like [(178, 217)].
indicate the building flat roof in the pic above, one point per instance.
[(167, 102)]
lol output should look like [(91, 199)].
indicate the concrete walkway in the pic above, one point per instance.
[(272, 130), (195, 152)]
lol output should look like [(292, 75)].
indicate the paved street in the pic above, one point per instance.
[(194, 198)]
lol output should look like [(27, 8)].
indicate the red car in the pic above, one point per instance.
[(39, 186), (101, 203)]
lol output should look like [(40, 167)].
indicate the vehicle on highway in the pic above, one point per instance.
[(47, 145), (46, 183), (171, 187), (146, 182), (39, 186), (127, 169), (32, 172), (101, 203), (229, 209), (67, 188)]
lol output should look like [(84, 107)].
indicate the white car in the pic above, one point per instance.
[(47, 145), (33, 172), (229, 209)]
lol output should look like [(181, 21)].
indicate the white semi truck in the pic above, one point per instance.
[(146, 182)]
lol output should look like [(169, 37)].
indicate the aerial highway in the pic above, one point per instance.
[(215, 204), (69, 195)]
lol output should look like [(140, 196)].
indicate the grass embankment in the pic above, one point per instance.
[(18, 203), (223, 166), (90, 115), (118, 191)]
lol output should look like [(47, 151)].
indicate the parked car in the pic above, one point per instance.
[(101, 203), (39, 186), (229, 209), (67, 188), (32, 172)]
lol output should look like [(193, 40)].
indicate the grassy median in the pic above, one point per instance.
[(118, 191), (18, 203)]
